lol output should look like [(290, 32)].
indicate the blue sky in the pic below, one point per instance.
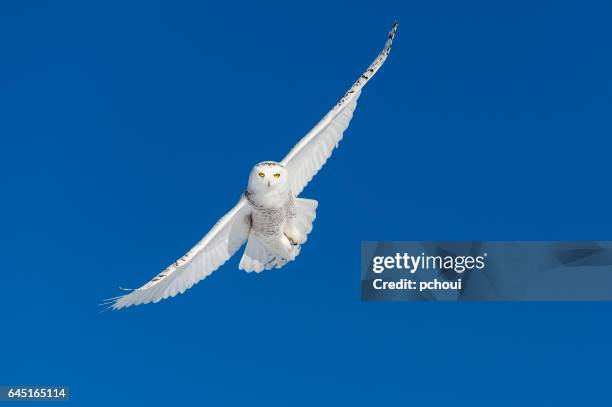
[(128, 128)]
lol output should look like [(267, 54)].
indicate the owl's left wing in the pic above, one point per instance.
[(310, 154), (219, 244)]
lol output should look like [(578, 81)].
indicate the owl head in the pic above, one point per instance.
[(268, 176)]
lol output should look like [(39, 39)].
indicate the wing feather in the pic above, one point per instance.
[(223, 240), (309, 155)]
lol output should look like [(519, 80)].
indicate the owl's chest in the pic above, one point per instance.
[(269, 222)]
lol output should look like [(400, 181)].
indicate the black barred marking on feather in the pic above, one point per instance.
[(271, 164), (380, 59)]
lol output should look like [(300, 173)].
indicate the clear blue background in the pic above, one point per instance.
[(129, 128)]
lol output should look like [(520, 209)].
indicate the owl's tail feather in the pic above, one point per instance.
[(258, 258), (301, 225)]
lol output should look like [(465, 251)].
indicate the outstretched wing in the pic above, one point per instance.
[(223, 240), (310, 154)]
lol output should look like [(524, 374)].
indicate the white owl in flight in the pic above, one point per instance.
[(269, 217)]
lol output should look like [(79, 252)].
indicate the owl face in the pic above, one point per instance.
[(268, 176)]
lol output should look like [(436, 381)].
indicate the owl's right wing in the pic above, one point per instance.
[(310, 154), (223, 240)]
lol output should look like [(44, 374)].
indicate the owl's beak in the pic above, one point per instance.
[(268, 184)]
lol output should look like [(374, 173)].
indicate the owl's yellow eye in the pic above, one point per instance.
[(277, 175), (261, 174)]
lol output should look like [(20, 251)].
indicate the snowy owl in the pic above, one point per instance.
[(270, 217)]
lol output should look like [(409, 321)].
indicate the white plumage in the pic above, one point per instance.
[(270, 216)]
